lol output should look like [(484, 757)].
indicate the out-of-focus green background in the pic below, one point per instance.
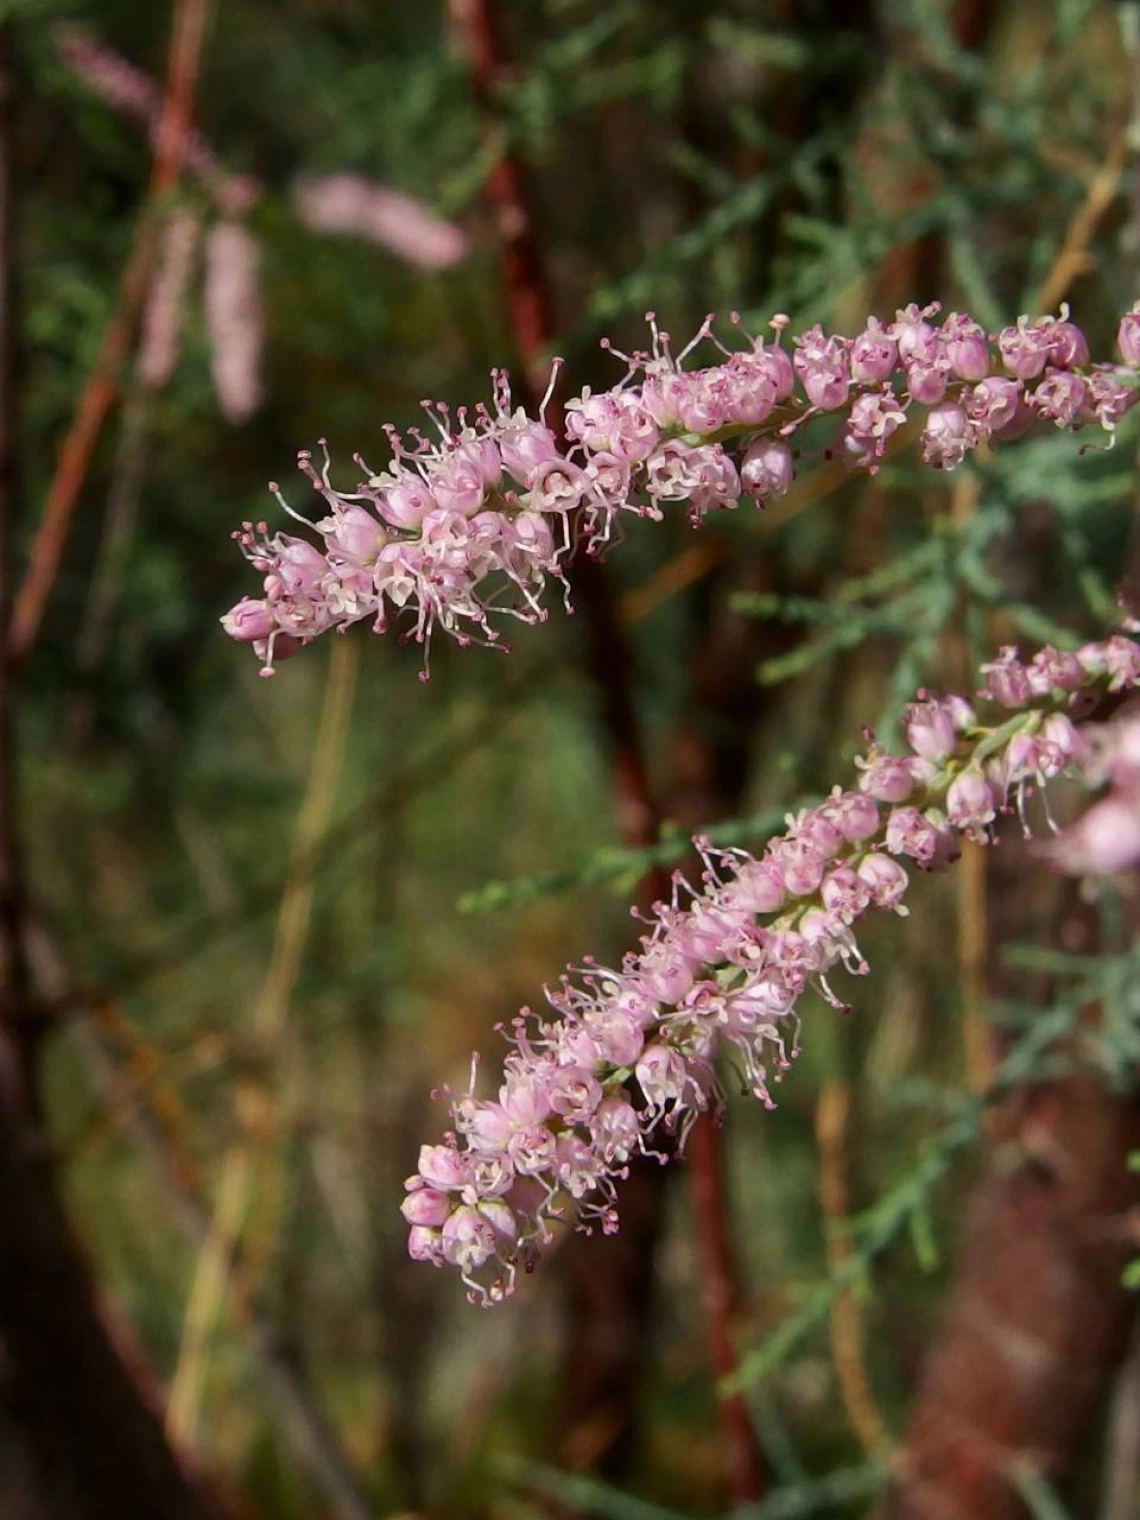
[(271, 889)]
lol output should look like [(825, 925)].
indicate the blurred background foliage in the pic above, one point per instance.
[(292, 907)]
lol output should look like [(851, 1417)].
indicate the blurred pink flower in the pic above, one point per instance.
[(233, 318), (1105, 839), (161, 326), (349, 203)]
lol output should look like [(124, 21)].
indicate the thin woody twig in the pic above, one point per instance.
[(101, 388), (847, 1340), (1073, 257)]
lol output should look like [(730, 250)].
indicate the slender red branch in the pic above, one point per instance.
[(532, 325), (99, 392)]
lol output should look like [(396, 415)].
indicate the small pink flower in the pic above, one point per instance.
[(965, 347), (947, 436), (249, 621), (1059, 398), (1024, 349), (926, 380), (887, 778), (970, 804), (930, 730), (767, 470), (468, 1239), (1007, 679), (874, 354), (887, 880), (1128, 337), (426, 1206), (1104, 841), (915, 336)]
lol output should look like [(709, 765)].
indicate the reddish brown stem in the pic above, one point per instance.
[(532, 325), (102, 384), (72, 1383)]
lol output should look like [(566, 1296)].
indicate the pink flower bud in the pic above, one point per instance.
[(994, 403), (930, 730), (525, 445), (964, 344), (248, 621), (354, 534), (969, 802), (468, 1239), (855, 816), (575, 1094), (1104, 841), (922, 836), (425, 1206), (802, 864), (886, 878), (947, 436), (845, 893), (821, 363), (442, 1166), (1068, 346), (425, 1245), (1128, 337), (767, 471), (1059, 398), (926, 381), (1024, 349), (874, 354), (914, 334), (886, 778), (1007, 679), (406, 501), (758, 887)]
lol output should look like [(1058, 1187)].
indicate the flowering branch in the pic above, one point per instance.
[(729, 967), (468, 527)]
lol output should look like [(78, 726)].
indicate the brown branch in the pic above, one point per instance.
[(101, 388), (848, 1345), (18, 1027), (84, 1403), (532, 326), (1038, 1316)]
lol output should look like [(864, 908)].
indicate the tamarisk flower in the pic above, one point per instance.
[(625, 1061), (350, 203), (473, 524)]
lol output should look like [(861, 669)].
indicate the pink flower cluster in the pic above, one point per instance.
[(473, 522), (630, 1055)]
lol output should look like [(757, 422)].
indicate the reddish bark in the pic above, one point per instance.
[(1038, 1316)]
